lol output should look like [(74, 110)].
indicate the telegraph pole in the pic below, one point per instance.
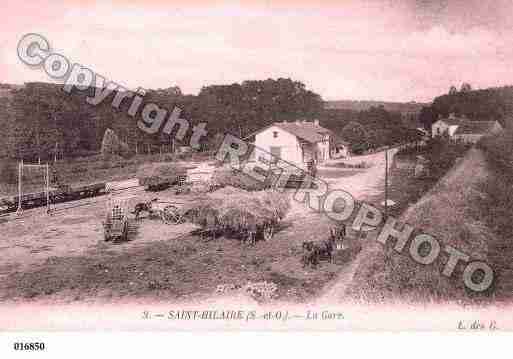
[(386, 183)]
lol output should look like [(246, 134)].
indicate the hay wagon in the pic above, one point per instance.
[(160, 176), (242, 214)]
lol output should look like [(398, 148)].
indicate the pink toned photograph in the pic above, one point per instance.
[(342, 166)]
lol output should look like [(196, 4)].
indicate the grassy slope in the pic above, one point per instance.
[(450, 212)]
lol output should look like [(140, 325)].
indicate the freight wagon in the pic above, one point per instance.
[(56, 195)]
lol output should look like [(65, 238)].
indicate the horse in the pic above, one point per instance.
[(314, 251), (143, 207)]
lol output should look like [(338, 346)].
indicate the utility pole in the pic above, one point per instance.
[(20, 175), (47, 188), (386, 183), (55, 152)]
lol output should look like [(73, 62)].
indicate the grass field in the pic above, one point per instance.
[(404, 189), (171, 270)]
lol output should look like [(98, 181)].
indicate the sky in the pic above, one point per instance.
[(400, 50)]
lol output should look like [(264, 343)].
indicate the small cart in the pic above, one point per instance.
[(117, 226)]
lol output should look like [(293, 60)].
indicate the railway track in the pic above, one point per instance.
[(66, 199)]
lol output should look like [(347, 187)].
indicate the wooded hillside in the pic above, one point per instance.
[(482, 105), (40, 119)]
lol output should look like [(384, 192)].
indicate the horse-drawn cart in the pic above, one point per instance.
[(238, 213), (169, 212), (160, 176)]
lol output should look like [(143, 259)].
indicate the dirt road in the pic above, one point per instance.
[(361, 186), (365, 183)]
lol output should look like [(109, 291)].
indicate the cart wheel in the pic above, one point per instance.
[(171, 215), (268, 232)]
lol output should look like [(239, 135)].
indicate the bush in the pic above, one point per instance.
[(442, 154), (8, 172), (499, 150), (168, 157), (498, 203), (358, 165), (79, 169), (112, 145)]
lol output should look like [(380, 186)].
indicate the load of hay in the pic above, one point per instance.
[(239, 211), (113, 146), (160, 173), (223, 177)]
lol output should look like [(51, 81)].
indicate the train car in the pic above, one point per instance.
[(34, 199), (7, 206), (61, 194), (30, 200), (86, 191)]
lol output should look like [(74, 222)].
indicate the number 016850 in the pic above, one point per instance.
[(29, 346)]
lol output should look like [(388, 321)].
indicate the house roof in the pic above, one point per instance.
[(474, 127), (307, 131), (452, 121)]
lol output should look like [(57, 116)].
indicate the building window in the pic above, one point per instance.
[(275, 154), (275, 134)]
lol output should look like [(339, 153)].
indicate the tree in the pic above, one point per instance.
[(465, 87), (354, 133), (427, 117), (47, 118), (36, 130), (244, 108)]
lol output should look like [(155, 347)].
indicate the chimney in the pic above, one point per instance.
[(316, 122)]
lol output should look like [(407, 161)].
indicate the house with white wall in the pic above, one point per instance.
[(298, 142), (447, 125), (463, 129), (472, 131)]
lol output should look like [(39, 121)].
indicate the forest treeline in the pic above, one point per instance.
[(482, 105), (40, 119)]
